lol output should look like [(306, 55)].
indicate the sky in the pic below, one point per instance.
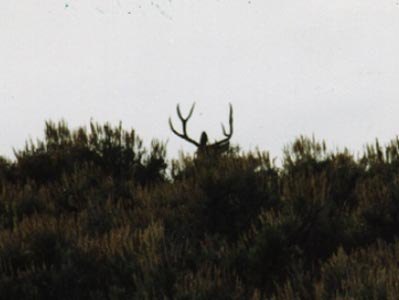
[(289, 68)]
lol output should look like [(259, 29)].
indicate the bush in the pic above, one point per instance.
[(95, 215)]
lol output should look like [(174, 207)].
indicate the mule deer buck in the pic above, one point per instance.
[(203, 148)]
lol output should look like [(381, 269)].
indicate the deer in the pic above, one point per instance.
[(204, 149)]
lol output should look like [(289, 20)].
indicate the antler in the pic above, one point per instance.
[(202, 146), (184, 125), (229, 134)]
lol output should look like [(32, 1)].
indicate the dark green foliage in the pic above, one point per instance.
[(115, 152), (95, 215)]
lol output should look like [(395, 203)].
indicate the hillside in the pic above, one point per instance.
[(92, 214)]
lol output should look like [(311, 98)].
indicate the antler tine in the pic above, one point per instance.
[(179, 112), (184, 125), (172, 128), (229, 134), (224, 131), (230, 123), (189, 114), (191, 111)]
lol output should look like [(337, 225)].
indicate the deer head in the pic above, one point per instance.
[(203, 148)]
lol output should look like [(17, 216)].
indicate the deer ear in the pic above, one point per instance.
[(203, 139)]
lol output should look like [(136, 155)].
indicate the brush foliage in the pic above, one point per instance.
[(92, 214)]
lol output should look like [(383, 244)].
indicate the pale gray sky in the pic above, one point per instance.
[(323, 67)]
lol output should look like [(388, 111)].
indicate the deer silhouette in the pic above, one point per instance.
[(204, 149)]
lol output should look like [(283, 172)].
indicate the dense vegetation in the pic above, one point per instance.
[(92, 214)]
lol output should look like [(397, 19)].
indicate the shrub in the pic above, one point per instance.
[(92, 214)]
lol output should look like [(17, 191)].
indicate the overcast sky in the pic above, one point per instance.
[(323, 67)]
